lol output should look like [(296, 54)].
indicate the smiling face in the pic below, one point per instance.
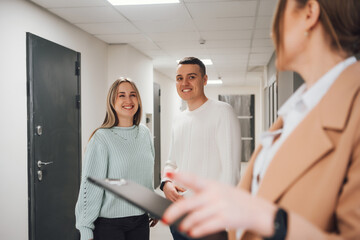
[(190, 85), (126, 104)]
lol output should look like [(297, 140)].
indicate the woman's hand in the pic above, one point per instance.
[(153, 222), (215, 207)]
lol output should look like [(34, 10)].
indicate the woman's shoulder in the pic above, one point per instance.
[(143, 128), (144, 131), (100, 134)]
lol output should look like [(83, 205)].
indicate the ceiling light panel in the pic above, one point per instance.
[(141, 2), (215, 82), (207, 61), (89, 14), (69, 3)]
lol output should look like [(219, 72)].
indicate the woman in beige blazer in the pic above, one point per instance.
[(305, 182)]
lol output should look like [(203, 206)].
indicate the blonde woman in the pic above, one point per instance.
[(303, 182), (120, 148)]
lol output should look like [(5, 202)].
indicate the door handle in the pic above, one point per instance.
[(40, 163)]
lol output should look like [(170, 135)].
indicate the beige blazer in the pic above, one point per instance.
[(315, 175)]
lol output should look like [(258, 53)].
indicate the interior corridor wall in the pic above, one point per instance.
[(170, 106), (126, 61), (16, 18)]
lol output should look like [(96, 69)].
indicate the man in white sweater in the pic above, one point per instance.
[(205, 137)]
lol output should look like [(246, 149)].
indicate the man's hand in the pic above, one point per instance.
[(172, 192), (214, 207), (153, 222)]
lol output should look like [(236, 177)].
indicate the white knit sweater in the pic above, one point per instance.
[(207, 142)]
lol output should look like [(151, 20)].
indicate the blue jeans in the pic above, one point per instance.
[(177, 235)]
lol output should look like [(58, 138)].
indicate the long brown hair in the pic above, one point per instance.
[(111, 118), (340, 19)]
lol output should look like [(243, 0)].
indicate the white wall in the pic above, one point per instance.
[(16, 18), (170, 106), (126, 61)]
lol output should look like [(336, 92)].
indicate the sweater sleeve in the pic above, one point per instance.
[(151, 142), (170, 164), (90, 197), (228, 139)]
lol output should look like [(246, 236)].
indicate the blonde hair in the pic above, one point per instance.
[(111, 118)]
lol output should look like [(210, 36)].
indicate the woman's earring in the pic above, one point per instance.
[(306, 33)]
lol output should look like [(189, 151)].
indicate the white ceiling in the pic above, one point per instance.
[(236, 32)]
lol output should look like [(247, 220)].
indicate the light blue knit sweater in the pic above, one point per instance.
[(118, 152)]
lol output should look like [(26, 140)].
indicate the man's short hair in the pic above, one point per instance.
[(196, 61)]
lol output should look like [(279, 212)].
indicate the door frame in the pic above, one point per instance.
[(157, 134), (31, 131)]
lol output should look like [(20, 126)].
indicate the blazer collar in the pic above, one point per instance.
[(310, 137)]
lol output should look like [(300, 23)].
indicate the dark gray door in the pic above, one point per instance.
[(157, 136), (54, 146)]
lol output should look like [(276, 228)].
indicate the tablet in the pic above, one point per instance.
[(143, 198)]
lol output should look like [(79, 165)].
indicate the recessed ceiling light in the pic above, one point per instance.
[(205, 61), (141, 2), (213, 82)]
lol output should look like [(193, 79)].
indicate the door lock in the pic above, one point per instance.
[(39, 174), (39, 130)]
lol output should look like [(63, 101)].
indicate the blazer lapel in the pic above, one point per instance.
[(309, 142), (301, 150)]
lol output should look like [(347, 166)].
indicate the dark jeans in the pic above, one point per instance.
[(125, 228), (177, 235)]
